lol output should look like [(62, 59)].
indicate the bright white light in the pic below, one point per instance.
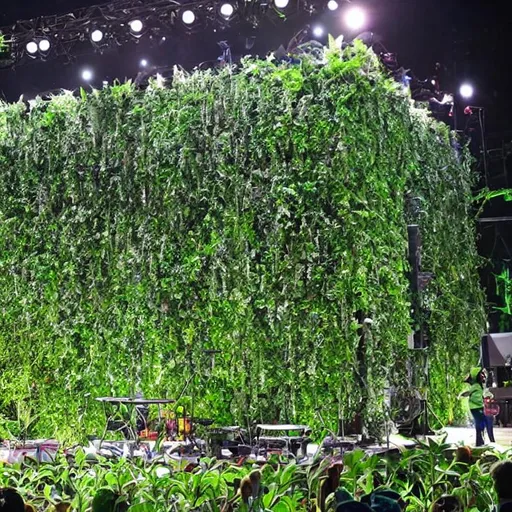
[(164, 38), (466, 91), (188, 17), (96, 36), (281, 4), (355, 18), (143, 63), (318, 31), (44, 45), (226, 10), (136, 26), (32, 47), (87, 75), (332, 5)]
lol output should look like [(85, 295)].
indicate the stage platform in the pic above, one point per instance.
[(467, 436), (461, 436), (46, 450)]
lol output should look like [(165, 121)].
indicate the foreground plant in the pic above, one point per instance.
[(416, 478)]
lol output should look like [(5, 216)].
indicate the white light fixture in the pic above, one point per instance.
[(44, 45), (87, 75), (143, 63), (281, 4), (227, 10), (466, 91), (32, 47), (332, 5), (188, 17), (136, 26), (96, 36), (355, 18), (318, 31)]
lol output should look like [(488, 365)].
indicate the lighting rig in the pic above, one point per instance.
[(119, 22)]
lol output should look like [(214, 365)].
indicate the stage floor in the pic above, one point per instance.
[(463, 436)]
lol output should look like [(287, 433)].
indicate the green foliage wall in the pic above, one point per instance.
[(252, 212)]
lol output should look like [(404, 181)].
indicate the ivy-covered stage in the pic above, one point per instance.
[(260, 212)]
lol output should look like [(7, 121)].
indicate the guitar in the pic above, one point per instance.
[(491, 408)]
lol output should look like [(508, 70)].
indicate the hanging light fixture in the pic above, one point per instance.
[(227, 10), (188, 17)]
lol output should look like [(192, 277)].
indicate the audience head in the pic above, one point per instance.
[(463, 454), (501, 474), (11, 501), (447, 503)]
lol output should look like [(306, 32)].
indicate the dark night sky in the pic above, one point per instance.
[(469, 38)]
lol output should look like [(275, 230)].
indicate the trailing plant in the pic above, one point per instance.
[(504, 291), (260, 212)]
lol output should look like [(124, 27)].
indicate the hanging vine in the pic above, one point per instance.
[(253, 212)]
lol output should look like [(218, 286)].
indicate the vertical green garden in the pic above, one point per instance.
[(258, 212)]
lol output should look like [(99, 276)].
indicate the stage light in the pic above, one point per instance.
[(136, 26), (44, 45), (227, 10), (143, 63), (31, 47), (87, 75), (332, 5), (466, 91), (281, 4), (188, 17), (318, 31), (96, 36), (355, 18)]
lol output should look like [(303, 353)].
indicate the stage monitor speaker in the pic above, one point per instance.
[(499, 349)]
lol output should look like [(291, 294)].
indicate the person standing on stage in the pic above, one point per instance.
[(475, 394)]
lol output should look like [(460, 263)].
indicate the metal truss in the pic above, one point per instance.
[(159, 18)]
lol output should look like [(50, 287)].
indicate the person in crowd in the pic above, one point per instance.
[(475, 394), (501, 474), (447, 503), (11, 501)]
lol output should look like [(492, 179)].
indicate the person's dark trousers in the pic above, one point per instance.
[(480, 422), (489, 426)]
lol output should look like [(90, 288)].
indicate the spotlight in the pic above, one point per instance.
[(87, 75), (44, 45), (227, 10), (32, 47), (281, 4), (136, 26), (188, 17), (466, 91), (355, 18), (318, 31), (96, 36), (143, 63), (332, 5)]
